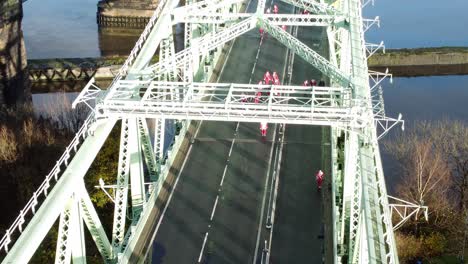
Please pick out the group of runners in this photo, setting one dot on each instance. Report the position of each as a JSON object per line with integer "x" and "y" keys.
{"x": 268, "y": 11}
{"x": 273, "y": 79}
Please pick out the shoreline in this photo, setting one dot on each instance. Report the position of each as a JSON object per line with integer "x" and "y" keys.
{"x": 400, "y": 62}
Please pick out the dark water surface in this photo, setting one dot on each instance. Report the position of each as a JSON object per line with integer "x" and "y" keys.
{"x": 427, "y": 98}
{"x": 422, "y": 98}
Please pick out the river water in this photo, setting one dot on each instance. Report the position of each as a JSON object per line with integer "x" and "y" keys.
{"x": 68, "y": 28}
{"x": 419, "y": 23}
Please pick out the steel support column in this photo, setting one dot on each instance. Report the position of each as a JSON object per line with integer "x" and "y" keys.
{"x": 136, "y": 169}
{"x": 121, "y": 190}
{"x": 70, "y": 240}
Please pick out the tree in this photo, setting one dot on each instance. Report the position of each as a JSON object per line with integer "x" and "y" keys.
{"x": 433, "y": 160}
{"x": 425, "y": 176}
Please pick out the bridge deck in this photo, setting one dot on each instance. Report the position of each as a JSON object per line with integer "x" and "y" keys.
{"x": 230, "y": 169}
{"x": 298, "y": 232}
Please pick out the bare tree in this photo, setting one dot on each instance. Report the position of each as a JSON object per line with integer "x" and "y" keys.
{"x": 426, "y": 175}
{"x": 453, "y": 137}
{"x": 61, "y": 112}
{"x": 8, "y": 145}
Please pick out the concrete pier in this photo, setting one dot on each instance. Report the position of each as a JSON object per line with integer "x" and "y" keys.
{"x": 125, "y": 13}
{"x": 422, "y": 61}
{"x": 14, "y": 81}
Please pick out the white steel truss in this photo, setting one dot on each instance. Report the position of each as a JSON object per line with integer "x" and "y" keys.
{"x": 362, "y": 226}
{"x": 239, "y": 102}
{"x": 315, "y": 7}
{"x": 404, "y": 210}
{"x": 121, "y": 190}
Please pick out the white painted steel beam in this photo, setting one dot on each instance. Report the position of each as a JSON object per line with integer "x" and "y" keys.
{"x": 306, "y": 53}
{"x": 204, "y": 45}
{"x": 179, "y": 14}
{"x": 93, "y": 223}
{"x": 77, "y": 236}
{"x": 314, "y": 6}
{"x": 137, "y": 187}
{"x": 45, "y": 216}
{"x": 121, "y": 190}
{"x": 63, "y": 251}
{"x": 159, "y": 133}
{"x": 147, "y": 150}
{"x": 275, "y": 19}
{"x": 235, "y": 102}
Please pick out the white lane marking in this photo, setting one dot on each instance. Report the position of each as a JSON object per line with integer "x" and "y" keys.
{"x": 264, "y": 198}
{"x": 172, "y": 192}
{"x": 224, "y": 174}
{"x": 232, "y": 145}
{"x": 275, "y": 194}
{"x": 255, "y": 63}
{"x": 203, "y": 247}
{"x": 230, "y": 150}
{"x": 214, "y": 208}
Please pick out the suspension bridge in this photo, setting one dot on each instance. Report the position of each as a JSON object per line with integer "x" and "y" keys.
{"x": 219, "y": 193}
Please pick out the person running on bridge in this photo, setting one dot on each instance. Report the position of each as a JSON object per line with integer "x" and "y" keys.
{"x": 321, "y": 83}
{"x": 275, "y": 9}
{"x": 268, "y": 11}
{"x": 275, "y": 90}
{"x": 262, "y": 32}
{"x": 305, "y": 83}
{"x": 257, "y": 97}
{"x": 319, "y": 179}
{"x": 267, "y": 77}
{"x": 275, "y": 77}
{"x": 283, "y": 27}
{"x": 263, "y": 128}
{"x": 313, "y": 82}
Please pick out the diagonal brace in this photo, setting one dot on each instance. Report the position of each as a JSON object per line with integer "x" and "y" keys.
{"x": 306, "y": 53}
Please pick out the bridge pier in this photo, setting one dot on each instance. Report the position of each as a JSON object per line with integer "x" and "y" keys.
{"x": 121, "y": 23}
{"x": 14, "y": 81}
{"x": 125, "y": 13}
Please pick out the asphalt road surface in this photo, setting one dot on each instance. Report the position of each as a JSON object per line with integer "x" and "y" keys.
{"x": 297, "y": 230}
{"x": 220, "y": 201}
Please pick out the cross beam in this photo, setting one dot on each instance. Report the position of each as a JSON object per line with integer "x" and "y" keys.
{"x": 279, "y": 19}
{"x": 314, "y": 6}
{"x": 238, "y": 102}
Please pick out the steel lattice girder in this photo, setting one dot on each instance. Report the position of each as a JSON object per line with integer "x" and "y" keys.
{"x": 236, "y": 102}
{"x": 199, "y": 47}
{"x": 53, "y": 205}
{"x": 121, "y": 191}
{"x": 202, "y": 6}
{"x": 280, "y": 19}
{"x": 314, "y": 6}
{"x": 378, "y": 233}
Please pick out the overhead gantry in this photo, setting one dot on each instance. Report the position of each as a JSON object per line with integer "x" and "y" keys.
{"x": 176, "y": 87}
